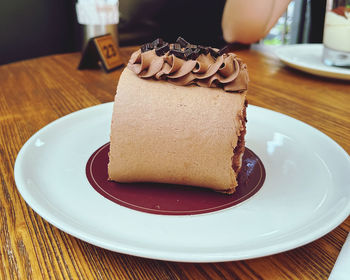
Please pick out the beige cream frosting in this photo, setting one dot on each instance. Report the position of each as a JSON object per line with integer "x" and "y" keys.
{"x": 226, "y": 71}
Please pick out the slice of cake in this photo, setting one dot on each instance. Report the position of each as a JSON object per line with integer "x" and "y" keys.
{"x": 179, "y": 117}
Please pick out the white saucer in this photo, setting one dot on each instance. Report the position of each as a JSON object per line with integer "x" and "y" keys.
{"x": 306, "y": 193}
{"x": 308, "y": 58}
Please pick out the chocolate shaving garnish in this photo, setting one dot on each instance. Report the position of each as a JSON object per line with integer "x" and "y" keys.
{"x": 192, "y": 54}
{"x": 190, "y": 46}
{"x": 183, "y": 43}
{"x": 162, "y": 49}
{"x": 177, "y": 46}
{"x": 188, "y": 53}
{"x": 223, "y": 50}
{"x": 157, "y": 43}
{"x": 203, "y": 49}
{"x": 197, "y": 53}
{"x": 146, "y": 47}
{"x": 213, "y": 52}
{"x": 178, "y": 53}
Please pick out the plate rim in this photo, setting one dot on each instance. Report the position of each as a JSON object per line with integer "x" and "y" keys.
{"x": 165, "y": 255}
{"x": 326, "y": 71}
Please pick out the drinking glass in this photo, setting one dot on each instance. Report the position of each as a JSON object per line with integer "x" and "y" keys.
{"x": 336, "y": 34}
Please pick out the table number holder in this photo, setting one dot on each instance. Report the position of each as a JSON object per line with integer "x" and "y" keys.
{"x": 101, "y": 51}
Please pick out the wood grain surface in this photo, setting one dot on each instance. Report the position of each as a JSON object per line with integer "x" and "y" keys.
{"x": 35, "y": 92}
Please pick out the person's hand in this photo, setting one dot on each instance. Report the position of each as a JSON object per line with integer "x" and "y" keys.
{"x": 248, "y": 21}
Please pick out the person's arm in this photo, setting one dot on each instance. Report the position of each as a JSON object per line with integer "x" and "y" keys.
{"x": 247, "y": 21}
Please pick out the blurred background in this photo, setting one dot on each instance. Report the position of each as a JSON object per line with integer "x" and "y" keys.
{"x": 33, "y": 28}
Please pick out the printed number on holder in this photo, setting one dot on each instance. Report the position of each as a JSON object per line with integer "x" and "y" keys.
{"x": 108, "y": 52}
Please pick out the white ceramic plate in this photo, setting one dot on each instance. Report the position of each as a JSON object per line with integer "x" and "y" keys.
{"x": 308, "y": 58}
{"x": 306, "y": 193}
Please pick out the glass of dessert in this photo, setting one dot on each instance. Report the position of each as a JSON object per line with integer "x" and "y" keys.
{"x": 336, "y": 35}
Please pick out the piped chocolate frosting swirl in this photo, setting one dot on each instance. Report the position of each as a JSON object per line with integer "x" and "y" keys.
{"x": 182, "y": 63}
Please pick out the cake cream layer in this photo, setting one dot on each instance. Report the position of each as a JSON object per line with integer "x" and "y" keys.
{"x": 165, "y": 133}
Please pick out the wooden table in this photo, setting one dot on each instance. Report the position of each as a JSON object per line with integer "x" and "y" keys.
{"x": 35, "y": 92}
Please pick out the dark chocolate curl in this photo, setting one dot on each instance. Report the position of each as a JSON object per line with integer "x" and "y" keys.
{"x": 178, "y": 53}
{"x": 183, "y": 43}
{"x": 157, "y": 43}
{"x": 162, "y": 49}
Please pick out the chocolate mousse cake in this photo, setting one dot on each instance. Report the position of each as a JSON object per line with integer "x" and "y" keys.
{"x": 179, "y": 117}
